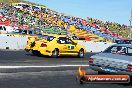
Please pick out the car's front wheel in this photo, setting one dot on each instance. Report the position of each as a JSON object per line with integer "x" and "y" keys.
{"x": 81, "y": 53}
{"x": 55, "y": 53}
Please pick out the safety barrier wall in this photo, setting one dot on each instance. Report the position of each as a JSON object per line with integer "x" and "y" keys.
{"x": 95, "y": 46}
{"x": 19, "y": 42}
{"x": 13, "y": 42}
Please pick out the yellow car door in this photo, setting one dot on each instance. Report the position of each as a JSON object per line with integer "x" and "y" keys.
{"x": 66, "y": 45}
{"x": 61, "y": 44}
{"x": 71, "y": 47}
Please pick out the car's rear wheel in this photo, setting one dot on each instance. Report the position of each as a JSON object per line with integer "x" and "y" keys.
{"x": 27, "y": 50}
{"x": 81, "y": 53}
{"x": 55, "y": 53}
{"x": 35, "y": 52}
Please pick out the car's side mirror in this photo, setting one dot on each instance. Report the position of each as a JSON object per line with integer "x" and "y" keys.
{"x": 58, "y": 41}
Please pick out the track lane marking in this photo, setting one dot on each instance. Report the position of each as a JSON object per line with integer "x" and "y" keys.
{"x": 51, "y": 66}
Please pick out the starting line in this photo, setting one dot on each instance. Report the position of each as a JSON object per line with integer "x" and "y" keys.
{"x": 55, "y": 66}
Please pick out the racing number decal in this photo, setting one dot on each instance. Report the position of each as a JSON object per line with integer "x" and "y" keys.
{"x": 70, "y": 47}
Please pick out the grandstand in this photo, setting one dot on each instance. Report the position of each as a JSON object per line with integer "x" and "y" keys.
{"x": 45, "y": 18}
{"x": 11, "y": 1}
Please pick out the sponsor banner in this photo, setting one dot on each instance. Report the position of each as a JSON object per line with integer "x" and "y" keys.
{"x": 107, "y": 78}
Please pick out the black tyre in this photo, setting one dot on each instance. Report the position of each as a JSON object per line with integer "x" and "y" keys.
{"x": 35, "y": 52}
{"x": 55, "y": 53}
{"x": 27, "y": 50}
{"x": 81, "y": 53}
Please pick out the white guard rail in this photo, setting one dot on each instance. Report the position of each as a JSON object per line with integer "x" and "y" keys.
{"x": 13, "y": 42}
{"x": 95, "y": 46}
{"x": 17, "y": 43}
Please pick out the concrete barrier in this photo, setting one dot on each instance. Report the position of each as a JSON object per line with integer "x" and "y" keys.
{"x": 96, "y": 46}
{"x": 13, "y": 42}
{"x": 19, "y": 42}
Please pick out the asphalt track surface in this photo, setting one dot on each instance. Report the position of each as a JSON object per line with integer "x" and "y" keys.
{"x": 18, "y": 69}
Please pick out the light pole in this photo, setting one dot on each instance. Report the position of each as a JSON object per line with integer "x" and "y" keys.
{"x": 130, "y": 30}
{"x": 130, "y": 25}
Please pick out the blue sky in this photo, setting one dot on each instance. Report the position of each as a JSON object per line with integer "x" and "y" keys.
{"x": 106, "y": 10}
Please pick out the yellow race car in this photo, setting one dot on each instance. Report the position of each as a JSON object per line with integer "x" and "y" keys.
{"x": 58, "y": 45}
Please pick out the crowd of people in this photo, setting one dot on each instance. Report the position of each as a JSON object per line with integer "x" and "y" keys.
{"x": 17, "y": 17}
{"x": 47, "y": 17}
{"x": 107, "y": 25}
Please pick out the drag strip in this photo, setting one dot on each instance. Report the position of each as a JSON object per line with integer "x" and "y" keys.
{"x": 55, "y": 66}
{"x": 15, "y": 69}
{"x": 19, "y": 69}
{"x": 21, "y": 61}
{"x": 22, "y": 58}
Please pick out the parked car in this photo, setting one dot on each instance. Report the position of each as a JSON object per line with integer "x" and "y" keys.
{"x": 116, "y": 59}
{"x": 123, "y": 41}
{"x": 85, "y": 37}
{"x": 78, "y": 38}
